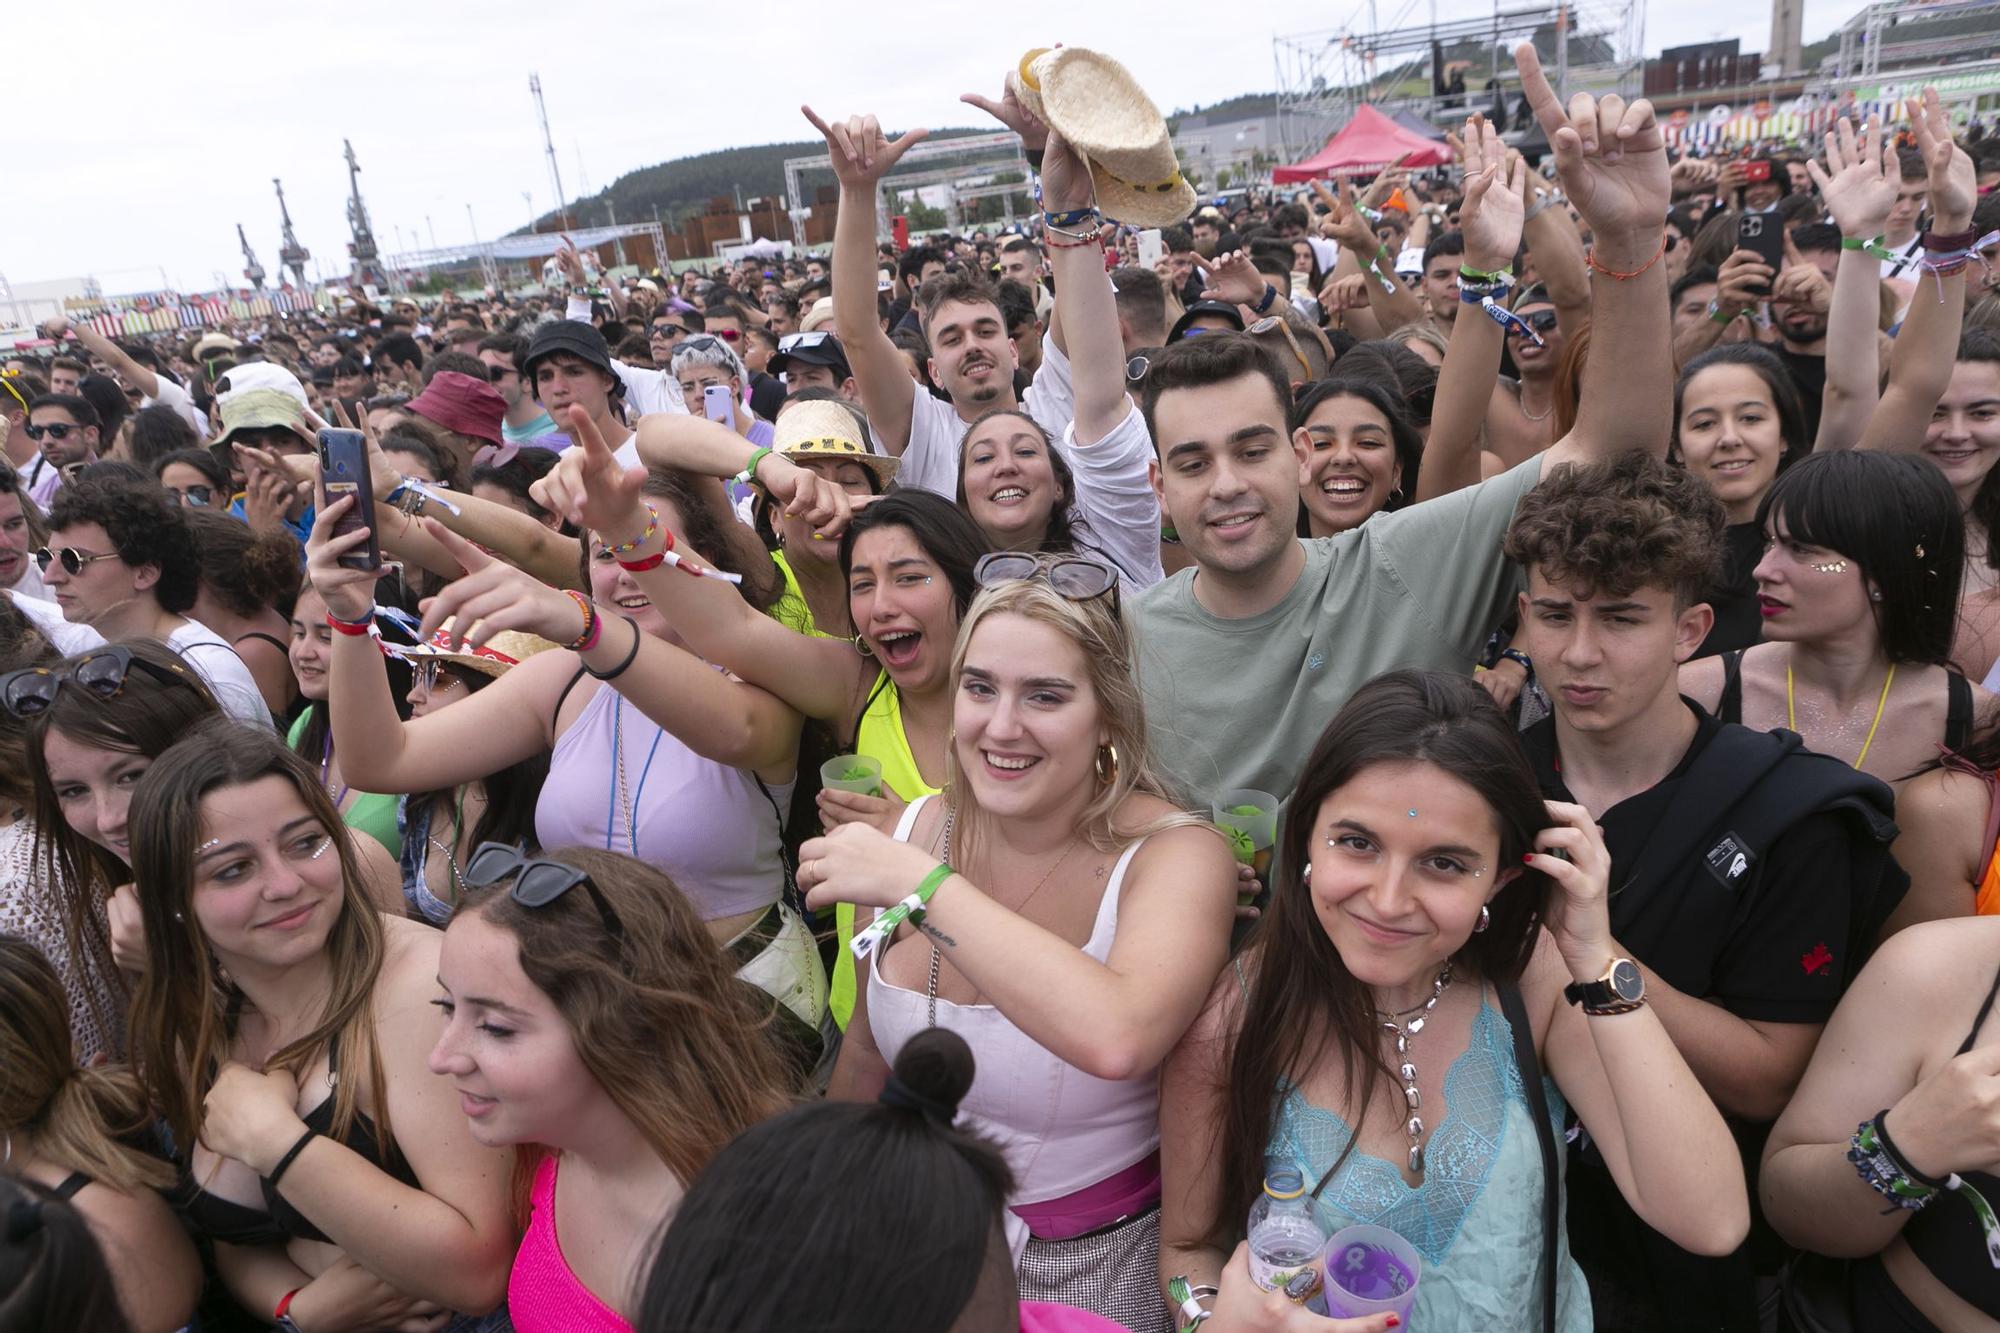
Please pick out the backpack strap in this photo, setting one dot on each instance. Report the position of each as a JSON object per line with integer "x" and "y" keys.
{"x": 1545, "y": 1136}
{"x": 1957, "y": 711}
{"x": 1729, "y": 706}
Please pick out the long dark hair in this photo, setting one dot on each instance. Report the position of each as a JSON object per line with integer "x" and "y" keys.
{"x": 1304, "y": 1006}
{"x": 1898, "y": 518}
{"x": 1764, "y": 362}
{"x": 1403, "y": 436}
{"x": 511, "y": 792}
{"x": 144, "y": 718}
{"x": 52, "y": 1272}
{"x": 946, "y": 533}
{"x": 1061, "y": 534}
{"x": 834, "y": 1192}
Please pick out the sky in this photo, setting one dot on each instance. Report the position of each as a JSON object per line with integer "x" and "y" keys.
{"x": 138, "y": 136}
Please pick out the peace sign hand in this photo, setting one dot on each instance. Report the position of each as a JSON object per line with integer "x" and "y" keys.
{"x": 1612, "y": 160}
{"x": 862, "y": 153}
{"x": 588, "y": 486}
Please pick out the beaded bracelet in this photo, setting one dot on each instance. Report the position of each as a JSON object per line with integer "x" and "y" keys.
{"x": 592, "y": 623}
{"x": 652, "y": 531}
{"x": 1615, "y": 275}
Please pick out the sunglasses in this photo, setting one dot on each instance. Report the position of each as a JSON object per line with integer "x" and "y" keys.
{"x": 1275, "y": 324}
{"x": 434, "y": 676}
{"x": 793, "y": 341}
{"x": 54, "y": 430}
{"x": 192, "y": 497}
{"x": 537, "y": 882}
{"x": 72, "y": 559}
{"x": 101, "y": 674}
{"x": 668, "y": 332}
{"x": 1541, "y": 322}
{"x": 1076, "y": 577}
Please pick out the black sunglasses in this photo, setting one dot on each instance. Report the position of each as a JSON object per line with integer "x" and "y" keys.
{"x": 73, "y": 560}
{"x": 669, "y": 331}
{"x": 193, "y": 497}
{"x": 540, "y": 882}
{"x": 1541, "y": 322}
{"x": 54, "y": 430}
{"x": 102, "y": 674}
{"x": 1076, "y": 577}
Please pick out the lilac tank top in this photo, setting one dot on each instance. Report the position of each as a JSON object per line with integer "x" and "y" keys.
{"x": 543, "y": 1294}
{"x": 706, "y": 824}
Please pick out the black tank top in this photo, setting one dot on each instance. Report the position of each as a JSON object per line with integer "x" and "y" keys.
{"x": 1947, "y": 1237}
{"x": 1957, "y": 705}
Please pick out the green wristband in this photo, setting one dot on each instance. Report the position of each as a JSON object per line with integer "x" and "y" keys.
{"x": 929, "y": 885}
{"x": 1506, "y": 271}
{"x": 749, "y": 472}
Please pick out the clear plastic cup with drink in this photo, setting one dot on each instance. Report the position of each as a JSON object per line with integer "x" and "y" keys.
{"x": 856, "y": 773}
{"x": 1250, "y": 819}
{"x": 1370, "y": 1269}
{"x": 1287, "y": 1241}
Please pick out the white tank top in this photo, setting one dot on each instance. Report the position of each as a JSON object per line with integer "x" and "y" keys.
{"x": 1060, "y": 1128}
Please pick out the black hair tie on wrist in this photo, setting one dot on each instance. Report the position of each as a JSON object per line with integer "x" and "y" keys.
{"x": 898, "y": 1093}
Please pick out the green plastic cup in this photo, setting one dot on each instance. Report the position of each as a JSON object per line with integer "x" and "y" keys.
{"x": 1250, "y": 818}
{"x": 852, "y": 772}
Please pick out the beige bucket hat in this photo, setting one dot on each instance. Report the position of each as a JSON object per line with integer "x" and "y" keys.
{"x": 1095, "y": 103}
{"x": 818, "y": 429}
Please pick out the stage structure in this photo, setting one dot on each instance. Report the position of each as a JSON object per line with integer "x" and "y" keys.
{"x": 531, "y": 248}
{"x": 1408, "y": 63}
{"x": 979, "y": 158}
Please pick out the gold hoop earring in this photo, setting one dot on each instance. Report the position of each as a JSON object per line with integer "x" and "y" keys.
{"x": 1107, "y": 764}
{"x": 861, "y": 646}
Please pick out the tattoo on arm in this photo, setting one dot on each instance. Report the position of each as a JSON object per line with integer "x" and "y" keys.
{"x": 938, "y": 935}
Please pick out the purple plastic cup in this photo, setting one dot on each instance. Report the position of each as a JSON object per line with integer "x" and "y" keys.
{"x": 1370, "y": 1269}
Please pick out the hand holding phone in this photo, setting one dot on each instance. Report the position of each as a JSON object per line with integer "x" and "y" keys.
{"x": 343, "y": 471}
{"x": 719, "y": 404}
{"x": 1763, "y": 234}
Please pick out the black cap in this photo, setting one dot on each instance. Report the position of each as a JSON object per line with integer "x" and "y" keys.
{"x": 577, "y": 338}
{"x": 1220, "y": 309}
{"x": 825, "y": 351}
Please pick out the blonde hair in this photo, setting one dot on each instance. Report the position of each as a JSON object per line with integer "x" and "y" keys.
{"x": 77, "y": 1115}
{"x": 1100, "y": 634}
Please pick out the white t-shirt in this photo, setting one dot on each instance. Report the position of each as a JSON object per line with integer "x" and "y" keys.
{"x": 207, "y": 652}
{"x": 174, "y": 396}
{"x": 646, "y": 390}
{"x": 937, "y": 434}
{"x": 1904, "y": 265}
{"x": 43, "y": 479}
{"x": 1115, "y": 502}
{"x": 30, "y": 583}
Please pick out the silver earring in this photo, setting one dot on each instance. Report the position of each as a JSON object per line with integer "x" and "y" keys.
{"x": 1875, "y": 594}
{"x": 1485, "y": 919}
{"x": 1306, "y": 875}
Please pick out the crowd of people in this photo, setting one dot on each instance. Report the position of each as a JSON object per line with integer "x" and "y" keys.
{"x": 1589, "y": 562}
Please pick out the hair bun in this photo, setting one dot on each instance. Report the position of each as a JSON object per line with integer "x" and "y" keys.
{"x": 933, "y": 1072}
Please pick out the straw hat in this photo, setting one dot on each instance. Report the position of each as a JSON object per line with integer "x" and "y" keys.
{"x": 506, "y": 649}
{"x": 820, "y": 429}
{"x": 1100, "y": 109}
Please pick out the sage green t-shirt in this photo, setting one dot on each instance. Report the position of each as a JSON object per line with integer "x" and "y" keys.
{"x": 1240, "y": 703}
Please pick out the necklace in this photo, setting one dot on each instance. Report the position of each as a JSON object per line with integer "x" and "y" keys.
{"x": 326, "y": 764}
{"x": 1792, "y": 720}
{"x": 451, "y": 851}
{"x": 1522, "y": 403}
{"x": 618, "y": 794}
{"x": 1406, "y": 1037}
{"x": 931, "y": 986}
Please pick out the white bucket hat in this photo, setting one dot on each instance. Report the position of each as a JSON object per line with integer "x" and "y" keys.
{"x": 1100, "y": 109}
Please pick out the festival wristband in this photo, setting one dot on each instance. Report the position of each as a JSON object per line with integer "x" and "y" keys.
{"x": 1503, "y": 274}
{"x": 746, "y": 476}
{"x": 1871, "y": 246}
{"x": 1263, "y": 307}
{"x": 354, "y": 629}
{"x": 1188, "y": 1301}
{"x": 885, "y": 925}
{"x": 1076, "y": 217}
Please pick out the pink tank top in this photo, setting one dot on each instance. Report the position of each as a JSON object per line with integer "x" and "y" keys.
{"x": 543, "y": 1295}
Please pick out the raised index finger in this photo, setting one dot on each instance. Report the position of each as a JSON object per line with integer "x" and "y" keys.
{"x": 1535, "y": 87}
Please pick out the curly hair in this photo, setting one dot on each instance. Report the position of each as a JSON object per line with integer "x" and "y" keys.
{"x": 248, "y": 570}
{"x": 1621, "y": 524}
{"x": 145, "y": 527}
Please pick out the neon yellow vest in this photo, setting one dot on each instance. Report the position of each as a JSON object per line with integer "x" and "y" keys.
{"x": 880, "y": 737}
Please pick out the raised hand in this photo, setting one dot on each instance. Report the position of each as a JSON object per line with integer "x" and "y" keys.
{"x": 1693, "y": 174}
{"x": 590, "y": 487}
{"x": 1579, "y": 916}
{"x": 1009, "y": 112}
{"x": 1495, "y": 203}
{"x": 1232, "y": 277}
{"x": 348, "y": 593}
{"x": 1346, "y": 224}
{"x": 571, "y": 263}
{"x": 807, "y": 495}
{"x": 1743, "y": 281}
{"x": 1859, "y": 181}
{"x": 862, "y": 153}
{"x": 1065, "y": 177}
{"x": 1954, "y": 183}
{"x": 1612, "y": 161}
{"x": 493, "y": 596}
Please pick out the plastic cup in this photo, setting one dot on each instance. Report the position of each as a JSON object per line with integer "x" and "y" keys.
{"x": 1370, "y": 1269}
{"x": 852, "y": 772}
{"x": 1253, "y": 815}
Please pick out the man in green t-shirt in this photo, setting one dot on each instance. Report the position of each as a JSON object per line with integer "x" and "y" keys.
{"x": 1246, "y": 656}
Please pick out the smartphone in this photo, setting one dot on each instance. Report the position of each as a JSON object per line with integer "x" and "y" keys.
{"x": 718, "y": 404}
{"x": 1764, "y": 234}
{"x": 1757, "y": 170}
{"x": 343, "y": 470}
{"x": 1151, "y": 248}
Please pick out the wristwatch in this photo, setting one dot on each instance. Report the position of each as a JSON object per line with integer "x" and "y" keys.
{"x": 1620, "y": 990}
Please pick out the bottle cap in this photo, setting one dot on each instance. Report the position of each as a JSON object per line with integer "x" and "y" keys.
{"x": 1284, "y": 1182}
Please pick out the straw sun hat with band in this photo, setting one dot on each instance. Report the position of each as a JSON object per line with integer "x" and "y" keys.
{"x": 1102, "y": 112}
{"x": 821, "y": 430}
{"x": 507, "y": 649}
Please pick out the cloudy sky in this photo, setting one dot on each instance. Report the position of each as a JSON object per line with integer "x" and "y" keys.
{"x": 139, "y": 135}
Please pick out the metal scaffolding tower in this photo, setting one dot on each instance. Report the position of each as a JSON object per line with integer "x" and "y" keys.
{"x": 555, "y": 172}
{"x": 367, "y": 267}
{"x": 252, "y": 270}
{"x": 1324, "y": 76}
{"x": 291, "y": 255}
{"x": 983, "y": 154}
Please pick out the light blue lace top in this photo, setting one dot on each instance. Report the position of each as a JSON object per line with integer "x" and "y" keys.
{"x": 1477, "y": 1219}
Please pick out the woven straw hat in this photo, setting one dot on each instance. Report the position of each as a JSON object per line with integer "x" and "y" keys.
{"x": 506, "y": 649}
{"x": 818, "y": 429}
{"x": 1095, "y": 103}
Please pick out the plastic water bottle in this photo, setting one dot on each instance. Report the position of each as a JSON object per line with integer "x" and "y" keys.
{"x": 1287, "y": 1243}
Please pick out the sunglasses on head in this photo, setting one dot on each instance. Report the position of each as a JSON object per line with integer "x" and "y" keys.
{"x": 1076, "y": 577}
{"x": 72, "y": 559}
{"x": 101, "y": 674}
{"x": 793, "y": 341}
{"x": 537, "y": 882}
{"x": 53, "y": 430}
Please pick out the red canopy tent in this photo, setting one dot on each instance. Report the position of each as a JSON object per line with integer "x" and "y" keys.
{"x": 1365, "y": 145}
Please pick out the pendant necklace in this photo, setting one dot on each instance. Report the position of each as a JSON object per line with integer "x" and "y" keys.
{"x": 1406, "y": 1035}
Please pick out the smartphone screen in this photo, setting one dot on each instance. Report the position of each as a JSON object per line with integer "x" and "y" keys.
{"x": 343, "y": 470}
{"x": 718, "y": 404}
{"x": 1151, "y": 247}
{"x": 1764, "y": 234}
